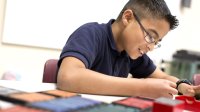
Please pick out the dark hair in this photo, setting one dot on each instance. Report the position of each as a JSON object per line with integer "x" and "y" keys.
{"x": 157, "y": 9}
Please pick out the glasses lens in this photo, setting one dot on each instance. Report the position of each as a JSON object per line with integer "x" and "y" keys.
{"x": 149, "y": 39}
{"x": 157, "y": 45}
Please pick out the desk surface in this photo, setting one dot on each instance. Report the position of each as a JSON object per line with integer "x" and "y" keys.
{"x": 27, "y": 86}
{"x": 38, "y": 87}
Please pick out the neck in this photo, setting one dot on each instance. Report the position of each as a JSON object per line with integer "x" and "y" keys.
{"x": 117, "y": 35}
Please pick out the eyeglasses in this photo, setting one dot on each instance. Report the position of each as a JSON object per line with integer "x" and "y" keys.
{"x": 148, "y": 38}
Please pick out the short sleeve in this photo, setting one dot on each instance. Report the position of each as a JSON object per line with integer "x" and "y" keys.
{"x": 82, "y": 44}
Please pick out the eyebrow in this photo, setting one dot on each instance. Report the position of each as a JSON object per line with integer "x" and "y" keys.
{"x": 152, "y": 30}
{"x": 155, "y": 32}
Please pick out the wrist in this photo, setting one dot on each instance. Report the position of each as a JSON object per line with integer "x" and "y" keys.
{"x": 181, "y": 83}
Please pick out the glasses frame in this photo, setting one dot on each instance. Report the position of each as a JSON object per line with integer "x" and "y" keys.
{"x": 148, "y": 38}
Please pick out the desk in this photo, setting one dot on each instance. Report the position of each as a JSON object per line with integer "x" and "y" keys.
{"x": 38, "y": 87}
{"x": 27, "y": 86}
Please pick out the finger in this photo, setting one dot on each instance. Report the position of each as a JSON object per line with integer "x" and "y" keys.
{"x": 197, "y": 89}
{"x": 173, "y": 91}
{"x": 168, "y": 95}
{"x": 190, "y": 92}
{"x": 172, "y": 84}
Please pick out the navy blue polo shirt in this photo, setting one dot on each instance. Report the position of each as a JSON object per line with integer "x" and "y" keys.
{"x": 94, "y": 45}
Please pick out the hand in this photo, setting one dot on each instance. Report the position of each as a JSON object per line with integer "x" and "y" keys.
{"x": 156, "y": 88}
{"x": 189, "y": 90}
{"x": 197, "y": 89}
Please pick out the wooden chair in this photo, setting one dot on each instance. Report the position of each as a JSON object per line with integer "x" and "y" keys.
{"x": 50, "y": 71}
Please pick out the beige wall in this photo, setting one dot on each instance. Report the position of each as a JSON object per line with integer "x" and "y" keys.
{"x": 189, "y": 37}
{"x": 29, "y": 61}
{"x": 23, "y": 60}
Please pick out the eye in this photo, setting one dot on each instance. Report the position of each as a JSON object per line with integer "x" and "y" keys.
{"x": 152, "y": 39}
{"x": 154, "y": 35}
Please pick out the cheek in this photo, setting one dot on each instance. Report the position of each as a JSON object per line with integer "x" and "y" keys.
{"x": 131, "y": 39}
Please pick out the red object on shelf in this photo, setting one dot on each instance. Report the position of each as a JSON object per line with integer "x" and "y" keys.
{"x": 191, "y": 104}
{"x": 168, "y": 105}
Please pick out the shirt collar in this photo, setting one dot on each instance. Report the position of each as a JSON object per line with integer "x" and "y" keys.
{"x": 110, "y": 33}
{"x": 111, "y": 38}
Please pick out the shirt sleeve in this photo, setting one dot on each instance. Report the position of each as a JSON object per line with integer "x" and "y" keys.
{"x": 82, "y": 44}
{"x": 142, "y": 67}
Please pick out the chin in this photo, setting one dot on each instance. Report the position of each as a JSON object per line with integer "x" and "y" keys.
{"x": 134, "y": 57}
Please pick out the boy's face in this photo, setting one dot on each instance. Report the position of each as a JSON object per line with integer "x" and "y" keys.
{"x": 141, "y": 36}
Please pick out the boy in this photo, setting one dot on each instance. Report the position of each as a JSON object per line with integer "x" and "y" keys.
{"x": 97, "y": 58}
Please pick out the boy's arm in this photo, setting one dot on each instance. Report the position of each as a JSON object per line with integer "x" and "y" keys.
{"x": 184, "y": 88}
{"x": 74, "y": 77}
{"x": 162, "y": 75}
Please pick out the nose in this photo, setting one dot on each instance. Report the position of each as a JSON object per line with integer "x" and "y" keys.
{"x": 150, "y": 47}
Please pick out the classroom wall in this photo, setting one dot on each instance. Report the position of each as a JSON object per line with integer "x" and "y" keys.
{"x": 29, "y": 61}
{"x": 189, "y": 37}
{"x": 25, "y": 61}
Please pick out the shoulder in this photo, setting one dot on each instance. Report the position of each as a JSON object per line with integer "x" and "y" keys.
{"x": 92, "y": 31}
{"x": 92, "y": 26}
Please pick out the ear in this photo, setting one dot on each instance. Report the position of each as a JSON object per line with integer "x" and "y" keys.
{"x": 127, "y": 16}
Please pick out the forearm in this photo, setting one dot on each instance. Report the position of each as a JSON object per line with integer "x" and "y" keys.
{"x": 74, "y": 77}
{"x": 171, "y": 78}
{"x": 162, "y": 75}
{"x": 87, "y": 81}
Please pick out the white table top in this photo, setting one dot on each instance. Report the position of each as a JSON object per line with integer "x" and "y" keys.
{"x": 27, "y": 86}
{"x": 37, "y": 87}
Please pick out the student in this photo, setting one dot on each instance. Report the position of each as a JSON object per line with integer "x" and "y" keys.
{"x": 97, "y": 58}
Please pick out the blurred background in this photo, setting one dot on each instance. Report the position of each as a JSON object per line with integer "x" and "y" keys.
{"x": 33, "y": 31}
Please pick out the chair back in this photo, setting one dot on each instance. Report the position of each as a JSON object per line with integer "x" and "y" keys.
{"x": 50, "y": 71}
{"x": 196, "y": 79}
